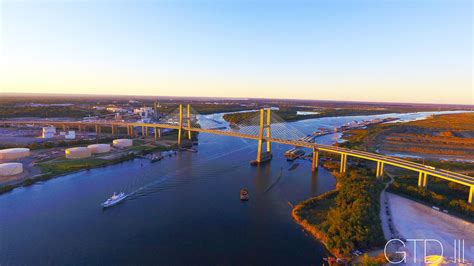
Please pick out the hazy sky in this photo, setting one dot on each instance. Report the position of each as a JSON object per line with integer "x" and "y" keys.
{"x": 380, "y": 50}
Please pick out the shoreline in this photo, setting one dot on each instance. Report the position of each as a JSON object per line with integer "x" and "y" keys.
{"x": 45, "y": 176}
{"x": 48, "y": 176}
{"x": 312, "y": 230}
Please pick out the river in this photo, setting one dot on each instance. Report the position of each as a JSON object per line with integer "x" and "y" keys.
{"x": 182, "y": 210}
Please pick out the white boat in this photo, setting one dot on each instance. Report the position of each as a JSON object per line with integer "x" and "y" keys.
{"x": 114, "y": 200}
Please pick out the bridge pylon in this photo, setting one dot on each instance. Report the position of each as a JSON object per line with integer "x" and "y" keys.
{"x": 180, "y": 126}
{"x": 264, "y": 128}
{"x": 268, "y": 131}
{"x": 315, "y": 160}
{"x": 188, "y": 120}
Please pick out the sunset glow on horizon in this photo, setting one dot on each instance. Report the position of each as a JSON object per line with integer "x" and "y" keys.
{"x": 393, "y": 51}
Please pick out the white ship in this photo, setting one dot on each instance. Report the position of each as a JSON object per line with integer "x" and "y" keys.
{"x": 114, "y": 200}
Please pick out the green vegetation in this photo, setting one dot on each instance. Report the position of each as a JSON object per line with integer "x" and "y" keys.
{"x": 440, "y": 193}
{"x": 63, "y": 166}
{"x": 48, "y": 111}
{"x": 348, "y": 218}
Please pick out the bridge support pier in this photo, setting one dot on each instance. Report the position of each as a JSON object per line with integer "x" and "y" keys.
{"x": 131, "y": 131}
{"x": 113, "y": 129}
{"x": 343, "y": 166}
{"x": 314, "y": 162}
{"x": 471, "y": 195}
{"x": 422, "y": 179}
{"x": 157, "y": 133}
{"x": 380, "y": 169}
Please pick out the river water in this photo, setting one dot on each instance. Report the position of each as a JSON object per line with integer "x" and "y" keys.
{"x": 182, "y": 210}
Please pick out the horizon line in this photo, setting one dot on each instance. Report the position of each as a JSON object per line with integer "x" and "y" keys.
{"x": 227, "y": 98}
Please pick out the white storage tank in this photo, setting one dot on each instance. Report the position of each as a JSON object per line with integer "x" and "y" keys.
{"x": 122, "y": 143}
{"x": 78, "y": 153}
{"x": 99, "y": 148}
{"x": 8, "y": 169}
{"x": 14, "y": 153}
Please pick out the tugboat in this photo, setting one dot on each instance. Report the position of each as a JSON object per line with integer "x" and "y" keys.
{"x": 115, "y": 199}
{"x": 244, "y": 194}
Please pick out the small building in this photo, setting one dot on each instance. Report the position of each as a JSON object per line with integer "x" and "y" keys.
{"x": 145, "y": 112}
{"x": 71, "y": 134}
{"x": 48, "y": 132}
{"x": 117, "y": 109}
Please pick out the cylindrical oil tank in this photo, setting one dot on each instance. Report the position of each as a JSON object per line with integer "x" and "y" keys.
{"x": 8, "y": 169}
{"x": 122, "y": 143}
{"x": 78, "y": 153}
{"x": 99, "y": 148}
{"x": 14, "y": 153}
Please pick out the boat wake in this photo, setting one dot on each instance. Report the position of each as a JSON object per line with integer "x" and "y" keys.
{"x": 276, "y": 181}
{"x": 165, "y": 183}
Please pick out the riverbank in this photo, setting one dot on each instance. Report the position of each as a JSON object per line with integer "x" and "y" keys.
{"x": 61, "y": 166}
{"x": 345, "y": 219}
{"x": 311, "y": 213}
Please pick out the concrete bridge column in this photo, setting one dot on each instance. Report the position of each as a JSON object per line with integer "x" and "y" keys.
{"x": 146, "y": 131}
{"x": 343, "y": 166}
{"x": 113, "y": 129}
{"x": 131, "y": 131}
{"x": 422, "y": 179}
{"x": 143, "y": 131}
{"x": 380, "y": 169}
{"x": 155, "y": 129}
{"x": 471, "y": 195}
{"x": 314, "y": 164}
{"x": 64, "y": 127}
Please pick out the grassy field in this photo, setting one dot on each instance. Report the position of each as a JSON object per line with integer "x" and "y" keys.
{"x": 443, "y": 136}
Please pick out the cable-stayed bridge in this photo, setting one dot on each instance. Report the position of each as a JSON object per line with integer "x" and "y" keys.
{"x": 262, "y": 126}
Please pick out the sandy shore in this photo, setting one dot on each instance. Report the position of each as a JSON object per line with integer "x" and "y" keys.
{"x": 416, "y": 221}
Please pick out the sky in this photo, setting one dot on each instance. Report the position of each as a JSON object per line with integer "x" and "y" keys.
{"x": 378, "y": 50}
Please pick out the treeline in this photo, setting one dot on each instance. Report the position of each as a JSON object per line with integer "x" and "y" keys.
{"x": 48, "y": 111}
{"x": 440, "y": 193}
{"x": 351, "y": 219}
{"x": 354, "y": 222}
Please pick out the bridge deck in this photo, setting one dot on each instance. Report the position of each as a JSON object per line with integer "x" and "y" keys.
{"x": 444, "y": 174}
